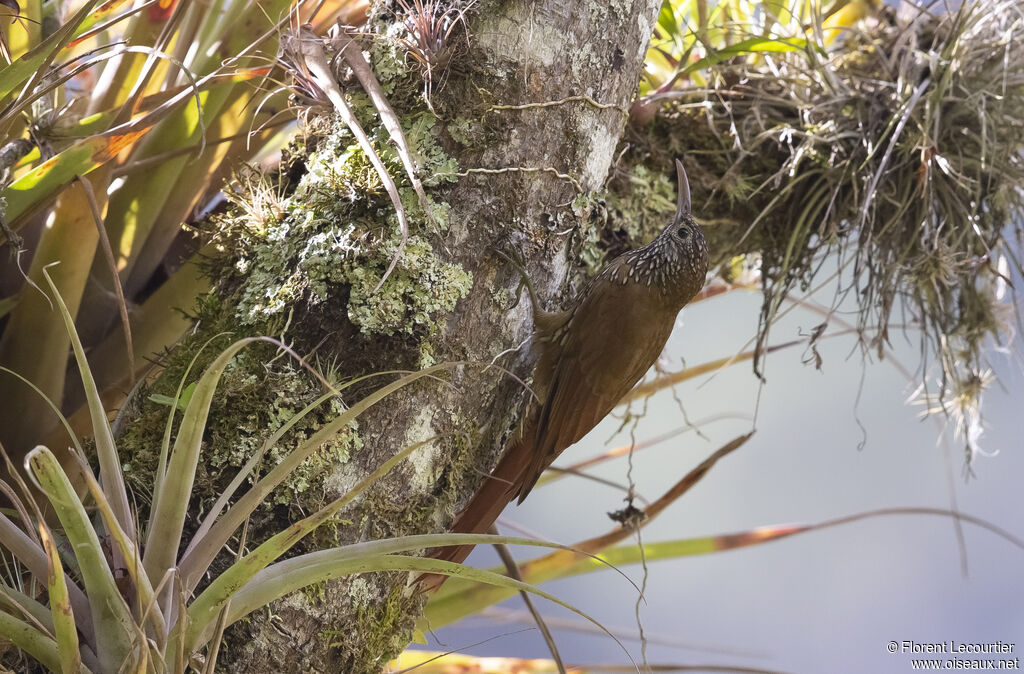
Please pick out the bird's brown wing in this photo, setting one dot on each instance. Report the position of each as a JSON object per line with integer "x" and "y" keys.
{"x": 503, "y": 483}
{"x": 588, "y": 360}
{"x": 615, "y": 337}
{"x": 484, "y": 508}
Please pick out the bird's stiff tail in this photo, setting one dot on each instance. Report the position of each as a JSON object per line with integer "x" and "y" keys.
{"x": 500, "y": 487}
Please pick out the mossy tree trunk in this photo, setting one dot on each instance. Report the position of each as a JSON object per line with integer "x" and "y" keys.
{"x": 581, "y": 60}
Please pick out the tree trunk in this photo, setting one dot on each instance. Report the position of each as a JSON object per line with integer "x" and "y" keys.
{"x": 582, "y": 61}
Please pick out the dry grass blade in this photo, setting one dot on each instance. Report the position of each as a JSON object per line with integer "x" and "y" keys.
{"x": 649, "y": 388}
{"x": 594, "y": 546}
{"x": 307, "y": 47}
{"x": 456, "y": 600}
{"x": 640, "y": 445}
{"x": 353, "y": 56}
{"x": 668, "y": 498}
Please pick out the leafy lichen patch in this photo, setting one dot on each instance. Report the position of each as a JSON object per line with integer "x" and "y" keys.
{"x": 420, "y": 287}
{"x": 327, "y": 238}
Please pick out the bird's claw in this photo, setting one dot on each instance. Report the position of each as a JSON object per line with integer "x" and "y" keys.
{"x": 514, "y": 258}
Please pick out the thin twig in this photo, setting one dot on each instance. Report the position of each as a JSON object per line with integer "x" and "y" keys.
{"x": 521, "y": 169}
{"x": 115, "y": 278}
{"x": 513, "y": 572}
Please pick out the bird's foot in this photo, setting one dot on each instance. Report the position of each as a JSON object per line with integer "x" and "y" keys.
{"x": 511, "y": 255}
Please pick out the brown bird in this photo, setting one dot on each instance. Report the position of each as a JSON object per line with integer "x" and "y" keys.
{"x": 590, "y": 356}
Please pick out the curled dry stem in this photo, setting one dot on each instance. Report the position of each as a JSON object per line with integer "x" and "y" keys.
{"x": 310, "y": 53}
{"x": 353, "y": 56}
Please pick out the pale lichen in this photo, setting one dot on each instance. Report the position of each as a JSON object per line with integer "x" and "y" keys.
{"x": 420, "y": 287}
{"x": 465, "y": 130}
{"x": 327, "y": 238}
{"x": 425, "y": 460}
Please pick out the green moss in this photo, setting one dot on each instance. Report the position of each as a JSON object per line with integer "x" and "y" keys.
{"x": 316, "y": 240}
{"x": 245, "y": 415}
{"x": 641, "y": 210}
{"x": 302, "y": 250}
{"x": 259, "y": 392}
{"x": 387, "y": 622}
{"x": 637, "y": 214}
{"x": 426, "y": 358}
{"x": 391, "y": 623}
{"x": 315, "y": 593}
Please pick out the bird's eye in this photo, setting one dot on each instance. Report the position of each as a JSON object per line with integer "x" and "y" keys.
{"x": 683, "y": 233}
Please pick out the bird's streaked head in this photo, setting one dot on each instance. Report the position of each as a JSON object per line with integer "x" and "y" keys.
{"x": 689, "y": 251}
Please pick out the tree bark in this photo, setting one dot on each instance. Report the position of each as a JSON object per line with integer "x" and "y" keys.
{"x": 527, "y": 175}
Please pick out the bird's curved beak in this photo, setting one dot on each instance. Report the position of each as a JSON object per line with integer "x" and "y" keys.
{"x": 682, "y": 192}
